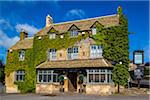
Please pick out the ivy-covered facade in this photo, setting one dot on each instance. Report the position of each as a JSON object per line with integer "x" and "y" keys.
{"x": 73, "y": 56}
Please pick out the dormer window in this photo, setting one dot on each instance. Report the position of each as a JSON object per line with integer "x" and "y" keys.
{"x": 73, "y": 33}
{"x": 21, "y": 55}
{"x": 94, "y": 31}
{"x": 52, "y": 36}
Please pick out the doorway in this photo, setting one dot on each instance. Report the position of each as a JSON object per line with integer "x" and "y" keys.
{"x": 72, "y": 81}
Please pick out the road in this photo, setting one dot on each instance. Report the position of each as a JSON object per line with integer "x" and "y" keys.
{"x": 68, "y": 97}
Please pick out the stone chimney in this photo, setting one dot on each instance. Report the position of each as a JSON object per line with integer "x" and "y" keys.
{"x": 23, "y": 34}
{"x": 49, "y": 20}
{"x": 119, "y": 10}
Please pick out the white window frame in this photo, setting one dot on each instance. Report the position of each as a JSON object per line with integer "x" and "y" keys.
{"x": 52, "y": 35}
{"x": 94, "y": 31}
{"x": 96, "y": 51}
{"x": 22, "y": 55}
{"x": 48, "y": 75}
{"x": 52, "y": 54}
{"x": 93, "y": 72}
{"x": 20, "y": 75}
{"x": 74, "y": 33}
{"x": 73, "y": 53}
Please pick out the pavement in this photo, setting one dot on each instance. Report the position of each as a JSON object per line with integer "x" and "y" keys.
{"x": 69, "y": 97}
{"x": 1, "y": 87}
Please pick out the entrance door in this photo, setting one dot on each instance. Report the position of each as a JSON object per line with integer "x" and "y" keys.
{"x": 72, "y": 79}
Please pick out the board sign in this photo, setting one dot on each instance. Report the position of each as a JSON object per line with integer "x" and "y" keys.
{"x": 138, "y": 57}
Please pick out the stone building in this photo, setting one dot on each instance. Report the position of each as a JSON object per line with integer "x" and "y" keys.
{"x": 81, "y": 61}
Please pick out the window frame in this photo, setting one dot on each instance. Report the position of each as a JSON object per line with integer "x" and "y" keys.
{"x": 74, "y": 33}
{"x": 20, "y": 75}
{"x": 22, "y": 55}
{"x": 96, "y": 51}
{"x": 91, "y": 74}
{"x": 52, "y": 54}
{"x": 94, "y": 30}
{"x": 52, "y": 35}
{"x": 48, "y": 74}
{"x": 72, "y": 53}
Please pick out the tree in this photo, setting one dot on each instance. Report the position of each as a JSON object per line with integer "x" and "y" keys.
{"x": 2, "y": 76}
{"x": 120, "y": 75}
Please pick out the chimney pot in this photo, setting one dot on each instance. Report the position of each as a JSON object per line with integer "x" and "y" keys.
{"x": 49, "y": 20}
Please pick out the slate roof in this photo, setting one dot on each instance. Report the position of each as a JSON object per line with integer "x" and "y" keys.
{"x": 79, "y": 63}
{"x": 85, "y": 24}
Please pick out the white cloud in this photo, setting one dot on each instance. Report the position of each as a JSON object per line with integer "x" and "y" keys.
{"x": 6, "y": 41}
{"x": 4, "y": 24}
{"x": 75, "y": 14}
{"x": 31, "y": 30}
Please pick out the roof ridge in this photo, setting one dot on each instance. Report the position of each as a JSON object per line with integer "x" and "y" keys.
{"x": 84, "y": 19}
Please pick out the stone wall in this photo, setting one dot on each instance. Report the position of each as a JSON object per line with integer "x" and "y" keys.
{"x": 83, "y": 47}
{"x": 100, "y": 89}
{"x": 48, "y": 88}
{"x": 10, "y": 86}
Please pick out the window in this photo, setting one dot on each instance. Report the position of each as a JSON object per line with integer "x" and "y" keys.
{"x": 52, "y": 54}
{"x": 47, "y": 76}
{"x": 52, "y": 36}
{"x": 96, "y": 51}
{"x": 21, "y": 55}
{"x": 93, "y": 31}
{"x": 99, "y": 76}
{"x": 72, "y": 53}
{"x": 20, "y": 75}
{"x": 73, "y": 33}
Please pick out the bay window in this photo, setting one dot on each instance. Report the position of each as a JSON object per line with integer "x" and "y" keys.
{"x": 95, "y": 76}
{"x": 47, "y": 76}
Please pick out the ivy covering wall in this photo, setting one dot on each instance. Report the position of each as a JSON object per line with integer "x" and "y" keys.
{"x": 113, "y": 39}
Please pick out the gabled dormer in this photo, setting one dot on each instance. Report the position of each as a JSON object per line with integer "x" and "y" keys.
{"x": 52, "y": 33}
{"x": 74, "y": 31}
{"x": 96, "y": 25}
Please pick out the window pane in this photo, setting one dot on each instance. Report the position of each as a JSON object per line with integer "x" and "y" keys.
{"x": 96, "y": 70}
{"x": 54, "y": 78}
{"x": 102, "y": 70}
{"x": 20, "y": 75}
{"x": 73, "y": 33}
{"x": 96, "y": 77}
{"x": 102, "y": 77}
{"x": 49, "y": 78}
{"x": 94, "y": 31}
{"x": 44, "y": 78}
{"x": 90, "y": 77}
{"x": 40, "y": 78}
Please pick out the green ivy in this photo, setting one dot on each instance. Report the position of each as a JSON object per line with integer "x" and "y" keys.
{"x": 13, "y": 64}
{"x": 113, "y": 39}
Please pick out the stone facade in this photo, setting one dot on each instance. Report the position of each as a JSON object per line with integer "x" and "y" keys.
{"x": 10, "y": 86}
{"x": 47, "y": 88}
{"x": 101, "y": 89}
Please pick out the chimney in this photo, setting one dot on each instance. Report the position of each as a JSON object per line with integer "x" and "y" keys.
{"x": 49, "y": 20}
{"x": 119, "y": 10}
{"x": 23, "y": 34}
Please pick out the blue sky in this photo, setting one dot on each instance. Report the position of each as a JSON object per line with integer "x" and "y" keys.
{"x": 15, "y": 15}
